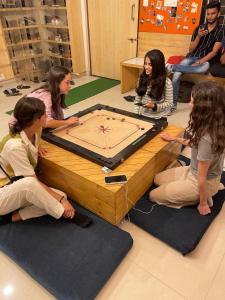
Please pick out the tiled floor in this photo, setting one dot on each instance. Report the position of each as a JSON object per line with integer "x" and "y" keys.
{"x": 151, "y": 270}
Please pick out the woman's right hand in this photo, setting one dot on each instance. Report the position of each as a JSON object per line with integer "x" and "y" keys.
{"x": 204, "y": 209}
{"x": 72, "y": 120}
{"x": 167, "y": 137}
{"x": 69, "y": 211}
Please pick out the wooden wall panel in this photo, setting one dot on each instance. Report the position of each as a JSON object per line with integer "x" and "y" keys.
{"x": 169, "y": 44}
{"x": 5, "y": 66}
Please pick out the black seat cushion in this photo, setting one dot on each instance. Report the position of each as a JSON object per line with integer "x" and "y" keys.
{"x": 182, "y": 228}
{"x": 71, "y": 262}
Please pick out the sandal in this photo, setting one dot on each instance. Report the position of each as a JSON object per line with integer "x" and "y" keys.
{"x": 12, "y": 92}
{"x": 129, "y": 98}
{"x": 21, "y": 86}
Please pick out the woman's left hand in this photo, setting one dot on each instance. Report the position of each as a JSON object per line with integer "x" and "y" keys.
{"x": 149, "y": 104}
{"x": 204, "y": 209}
{"x": 167, "y": 137}
{"x": 42, "y": 151}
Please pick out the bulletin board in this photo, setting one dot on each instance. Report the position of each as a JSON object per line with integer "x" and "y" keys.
{"x": 169, "y": 16}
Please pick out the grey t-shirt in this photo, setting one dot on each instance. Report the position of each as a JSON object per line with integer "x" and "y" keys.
{"x": 203, "y": 153}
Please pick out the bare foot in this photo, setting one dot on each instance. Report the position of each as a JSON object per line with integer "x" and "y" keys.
{"x": 16, "y": 217}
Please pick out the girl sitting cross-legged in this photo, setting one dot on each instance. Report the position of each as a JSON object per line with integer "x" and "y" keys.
{"x": 197, "y": 183}
{"x": 154, "y": 91}
{"x": 27, "y": 197}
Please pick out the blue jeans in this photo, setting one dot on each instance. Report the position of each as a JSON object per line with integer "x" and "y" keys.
{"x": 183, "y": 68}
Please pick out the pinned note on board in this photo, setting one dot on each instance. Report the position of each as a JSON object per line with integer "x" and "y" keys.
{"x": 145, "y": 3}
{"x": 170, "y": 3}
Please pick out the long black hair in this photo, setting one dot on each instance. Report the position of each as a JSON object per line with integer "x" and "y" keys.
{"x": 157, "y": 79}
{"x": 26, "y": 111}
{"x": 208, "y": 115}
{"x": 55, "y": 76}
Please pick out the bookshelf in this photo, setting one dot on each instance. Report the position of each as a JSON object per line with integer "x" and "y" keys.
{"x": 40, "y": 34}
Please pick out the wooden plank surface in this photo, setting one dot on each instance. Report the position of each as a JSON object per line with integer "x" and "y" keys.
{"x": 169, "y": 44}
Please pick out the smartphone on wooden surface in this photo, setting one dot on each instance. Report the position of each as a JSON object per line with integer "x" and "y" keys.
{"x": 115, "y": 179}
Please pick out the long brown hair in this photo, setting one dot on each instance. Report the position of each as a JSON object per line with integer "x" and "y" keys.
{"x": 208, "y": 115}
{"x": 55, "y": 76}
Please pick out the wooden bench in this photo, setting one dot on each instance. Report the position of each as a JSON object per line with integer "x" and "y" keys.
{"x": 130, "y": 70}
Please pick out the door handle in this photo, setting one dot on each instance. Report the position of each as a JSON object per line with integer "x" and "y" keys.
{"x": 132, "y": 40}
{"x": 132, "y": 12}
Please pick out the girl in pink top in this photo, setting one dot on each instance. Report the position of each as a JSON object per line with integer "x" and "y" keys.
{"x": 53, "y": 95}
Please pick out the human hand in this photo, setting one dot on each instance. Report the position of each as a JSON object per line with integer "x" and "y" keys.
{"x": 72, "y": 120}
{"x": 69, "y": 211}
{"x": 202, "y": 32}
{"x": 42, "y": 151}
{"x": 149, "y": 104}
{"x": 167, "y": 137}
{"x": 204, "y": 209}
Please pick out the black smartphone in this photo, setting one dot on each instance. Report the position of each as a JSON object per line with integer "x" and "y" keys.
{"x": 81, "y": 220}
{"x": 139, "y": 104}
{"x": 115, "y": 179}
{"x": 202, "y": 27}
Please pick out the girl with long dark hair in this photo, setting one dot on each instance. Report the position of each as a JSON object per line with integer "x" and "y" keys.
{"x": 197, "y": 183}
{"x": 154, "y": 91}
{"x": 53, "y": 95}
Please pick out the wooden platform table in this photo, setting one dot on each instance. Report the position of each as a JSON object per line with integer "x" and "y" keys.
{"x": 83, "y": 180}
{"x": 130, "y": 70}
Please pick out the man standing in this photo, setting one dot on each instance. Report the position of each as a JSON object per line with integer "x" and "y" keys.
{"x": 205, "y": 44}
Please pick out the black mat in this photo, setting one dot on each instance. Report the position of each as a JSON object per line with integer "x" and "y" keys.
{"x": 182, "y": 228}
{"x": 70, "y": 262}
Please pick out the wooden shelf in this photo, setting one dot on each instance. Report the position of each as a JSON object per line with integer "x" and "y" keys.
{"x": 30, "y": 71}
{"x": 17, "y": 9}
{"x": 5, "y": 65}
{"x": 54, "y": 42}
{"x": 59, "y": 56}
{"x": 24, "y": 43}
{"x": 21, "y": 27}
{"x": 54, "y": 26}
{"x": 48, "y": 7}
{"x": 26, "y": 57}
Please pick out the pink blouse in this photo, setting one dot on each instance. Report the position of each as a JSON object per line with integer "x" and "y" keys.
{"x": 45, "y": 96}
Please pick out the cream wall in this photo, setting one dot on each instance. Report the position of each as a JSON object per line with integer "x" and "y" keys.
{"x": 85, "y": 34}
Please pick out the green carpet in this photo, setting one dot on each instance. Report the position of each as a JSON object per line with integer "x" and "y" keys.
{"x": 87, "y": 90}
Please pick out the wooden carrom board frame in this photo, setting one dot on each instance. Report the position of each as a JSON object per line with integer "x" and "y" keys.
{"x": 109, "y": 162}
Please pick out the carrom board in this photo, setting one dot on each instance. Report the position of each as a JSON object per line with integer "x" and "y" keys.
{"x": 105, "y": 135}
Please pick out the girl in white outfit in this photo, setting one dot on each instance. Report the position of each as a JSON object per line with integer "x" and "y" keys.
{"x": 27, "y": 197}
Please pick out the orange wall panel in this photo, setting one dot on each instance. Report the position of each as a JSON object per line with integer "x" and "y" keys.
{"x": 154, "y": 16}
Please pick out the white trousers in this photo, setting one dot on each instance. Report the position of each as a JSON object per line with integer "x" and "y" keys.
{"x": 31, "y": 199}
